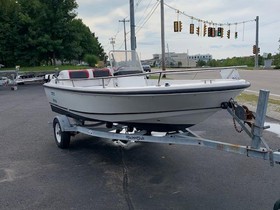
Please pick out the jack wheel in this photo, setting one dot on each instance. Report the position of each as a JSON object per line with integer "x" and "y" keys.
{"x": 224, "y": 105}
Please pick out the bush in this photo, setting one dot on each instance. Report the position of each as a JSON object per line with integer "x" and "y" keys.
{"x": 91, "y": 59}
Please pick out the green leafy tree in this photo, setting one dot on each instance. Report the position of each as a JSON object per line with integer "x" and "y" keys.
{"x": 42, "y": 31}
{"x": 212, "y": 63}
{"x": 56, "y": 19}
{"x": 200, "y": 63}
{"x": 8, "y": 31}
{"x": 276, "y": 58}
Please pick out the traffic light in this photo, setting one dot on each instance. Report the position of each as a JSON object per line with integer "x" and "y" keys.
{"x": 176, "y": 26}
{"x": 213, "y": 32}
{"x": 209, "y": 31}
{"x": 180, "y": 26}
{"x": 254, "y": 49}
{"x": 235, "y": 35}
{"x": 219, "y": 31}
{"x": 197, "y": 31}
{"x": 204, "y": 29}
{"x": 191, "y": 28}
{"x": 222, "y": 32}
{"x": 228, "y": 34}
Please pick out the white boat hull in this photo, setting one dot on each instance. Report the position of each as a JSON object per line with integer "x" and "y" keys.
{"x": 122, "y": 94}
{"x": 145, "y": 109}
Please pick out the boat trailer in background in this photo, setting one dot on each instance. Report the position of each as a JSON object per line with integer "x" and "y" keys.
{"x": 8, "y": 79}
{"x": 258, "y": 148}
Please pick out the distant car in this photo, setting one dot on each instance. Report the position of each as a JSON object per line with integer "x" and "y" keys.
{"x": 147, "y": 68}
{"x": 1, "y": 66}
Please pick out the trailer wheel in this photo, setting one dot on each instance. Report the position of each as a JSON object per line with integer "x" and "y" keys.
{"x": 62, "y": 138}
{"x": 277, "y": 205}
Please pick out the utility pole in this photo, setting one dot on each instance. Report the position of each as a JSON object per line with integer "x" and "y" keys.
{"x": 162, "y": 37}
{"x": 112, "y": 41}
{"x": 124, "y": 21}
{"x": 132, "y": 26}
{"x": 168, "y": 58}
{"x": 257, "y": 44}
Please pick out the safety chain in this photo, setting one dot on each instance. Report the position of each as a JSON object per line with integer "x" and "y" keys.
{"x": 249, "y": 116}
{"x": 234, "y": 123}
{"x": 232, "y": 103}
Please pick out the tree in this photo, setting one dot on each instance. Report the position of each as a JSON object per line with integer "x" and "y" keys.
{"x": 56, "y": 19}
{"x": 8, "y": 31}
{"x": 279, "y": 45}
{"x": 200, "y": 63}
{"x": 212, "y": 63}
{"x": 42, "y": 31}
{"x": 180, "y": 64}
{"x": 91, "y": 59}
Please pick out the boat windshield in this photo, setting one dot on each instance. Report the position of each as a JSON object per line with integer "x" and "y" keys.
{"x": 125, "y": 62}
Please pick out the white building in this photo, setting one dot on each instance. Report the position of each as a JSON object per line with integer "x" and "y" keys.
{"x": 173, "y": 59}
{"x": 205, "y": 57}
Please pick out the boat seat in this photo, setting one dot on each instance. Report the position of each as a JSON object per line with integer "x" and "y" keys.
{"x": 127, "y": 72}
{"x": 84, "y": 77}
{"x": 101, "y": 72}
{"x": 78, "y": 74}
{"x": 74, "y": 74}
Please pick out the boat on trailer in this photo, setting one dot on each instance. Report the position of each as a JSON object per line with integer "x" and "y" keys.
{"x": 123, "y": 94}
{"x": 132, "y": 107}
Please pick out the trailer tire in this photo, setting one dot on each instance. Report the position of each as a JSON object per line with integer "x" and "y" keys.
{"x": 62, "y": 138}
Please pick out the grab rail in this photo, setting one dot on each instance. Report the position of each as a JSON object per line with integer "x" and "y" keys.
{"x": 159, "y": 73}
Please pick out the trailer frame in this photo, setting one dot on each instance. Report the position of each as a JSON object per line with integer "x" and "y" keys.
{"x": 64, "y": 129}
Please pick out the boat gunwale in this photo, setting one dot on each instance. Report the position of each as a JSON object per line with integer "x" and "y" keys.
{"x": 156, "y": 91}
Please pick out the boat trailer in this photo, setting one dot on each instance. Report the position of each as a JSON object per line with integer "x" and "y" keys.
{"x": 64, "y": 129}
{"x": 11, "y": 76}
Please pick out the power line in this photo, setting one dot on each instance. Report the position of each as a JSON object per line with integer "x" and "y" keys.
{"x": 205, "y": 21}
{"x": 145, "y": 20}
{"x": 144, "y": 13}
{"x": 148, "y": 17}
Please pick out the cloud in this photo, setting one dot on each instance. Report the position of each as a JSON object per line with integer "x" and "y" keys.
{"x": 103, "y": 18}
{"x": 216, "y": 46}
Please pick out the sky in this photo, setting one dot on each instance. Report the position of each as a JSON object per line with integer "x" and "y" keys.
{"x": 102, "y": 17}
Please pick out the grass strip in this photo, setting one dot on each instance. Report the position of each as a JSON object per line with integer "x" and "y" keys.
{"x": 254, "y": 98}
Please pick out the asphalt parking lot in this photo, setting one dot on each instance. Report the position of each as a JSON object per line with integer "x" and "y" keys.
{"x": 96, "y": 174}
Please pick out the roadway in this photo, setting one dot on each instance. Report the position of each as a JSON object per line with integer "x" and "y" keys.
{"x": 96, "y": 174}
{"x": 259, "y": 79}
{"x": 263, "y": 79}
